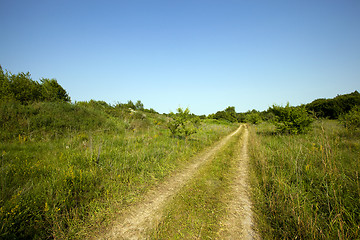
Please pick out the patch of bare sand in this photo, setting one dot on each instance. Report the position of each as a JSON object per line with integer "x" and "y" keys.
{"x": 140, "y": 218}
{"x": 239, "y": 222}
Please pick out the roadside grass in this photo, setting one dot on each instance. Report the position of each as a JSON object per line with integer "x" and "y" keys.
{"x": 70, "y": 184}
{"x": 306, "y": 186}
{"x": 197, "y": 210}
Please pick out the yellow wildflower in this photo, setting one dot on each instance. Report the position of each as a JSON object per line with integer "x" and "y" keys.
{"x": 46, "y": 208}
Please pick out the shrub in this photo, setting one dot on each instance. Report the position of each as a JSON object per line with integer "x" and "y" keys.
{"x": 228, "y": 114}
{"x": 183, "y": 123}
{"x": 290, "y": 119}
{"x": 253, "y": 118}
{"x": 351, "y": 120}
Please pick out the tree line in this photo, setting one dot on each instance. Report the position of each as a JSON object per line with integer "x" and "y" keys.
{"x": 333, "y": 108}
{"x": 20, "y": 87}
{"x": 297, "y": 119}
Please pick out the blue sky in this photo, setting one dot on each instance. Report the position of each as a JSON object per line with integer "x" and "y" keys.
{"x": 201, "y": 54}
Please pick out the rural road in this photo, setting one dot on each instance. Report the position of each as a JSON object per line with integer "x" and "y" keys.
{"x": 140, "y": 218}
{"x": 239, "y": 222}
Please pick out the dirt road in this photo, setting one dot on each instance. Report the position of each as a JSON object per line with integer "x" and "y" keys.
{"x": 142, "y": 217}
{"x": 239, "y": 223}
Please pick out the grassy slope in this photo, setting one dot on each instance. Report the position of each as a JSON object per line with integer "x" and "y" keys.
{"x": 65, "y": 178}
{"x": 307, "y": 186}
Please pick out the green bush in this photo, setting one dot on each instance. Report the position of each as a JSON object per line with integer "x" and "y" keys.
{"x": 351, "y": 120}
{"x": 52, "y": 91}
{"x": 253, "y": 118}
{"x": 183, "y": 123}
{"x": 290, "y": 119}
{"x": 228, "y": 114}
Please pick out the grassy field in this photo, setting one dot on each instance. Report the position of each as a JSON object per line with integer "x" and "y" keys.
{"x": 66, "y": 169}
{"x": 306, "y": 186}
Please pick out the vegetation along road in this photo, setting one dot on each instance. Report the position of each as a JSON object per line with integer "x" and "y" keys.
{"x": 90, "y": 170}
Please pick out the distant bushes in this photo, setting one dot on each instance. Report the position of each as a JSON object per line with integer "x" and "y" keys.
{"x": 253, "y": 117}
{"x": 228, "y": 114}
{"x": 335, "y": 107}
{"x": 290, "y": 119}
{"x": 20, "y": 87}
{"x": 139, "y": 106}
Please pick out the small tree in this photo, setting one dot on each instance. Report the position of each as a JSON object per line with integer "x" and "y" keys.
{"x": 292, "y": 120}
{"x": 139, "y": 105}
{"x": 183, "y": 123}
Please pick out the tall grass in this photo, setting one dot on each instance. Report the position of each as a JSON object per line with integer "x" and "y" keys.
{"x": 70, "y": 184}
{"x": 50, "y": 119}
{"x": 307, "y": 186}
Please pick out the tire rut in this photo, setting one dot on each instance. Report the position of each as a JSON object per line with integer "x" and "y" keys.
{"x": 239, "y": 222}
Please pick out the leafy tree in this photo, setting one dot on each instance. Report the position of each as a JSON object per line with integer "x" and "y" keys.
{"x": 52, "y": 91}
{"x": 253, "y": 117}
{"x": 228, "y": 114}
{"x": 20, "y": 87}
{"x": 290, "y": 119}
{"x": 24, "y": 89}
{"x": 334, "y": 107}
{"x": 241, "y": 117}
{"x": 183, "y": 123}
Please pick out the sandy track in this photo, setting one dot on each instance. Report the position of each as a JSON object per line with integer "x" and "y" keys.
{"x": 239, "y": 222}
{"x": 143, "y": 216}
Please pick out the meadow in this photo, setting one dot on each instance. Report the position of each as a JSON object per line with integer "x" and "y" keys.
{"x": 68, "y": 169}
{"x": 306, "y": 186}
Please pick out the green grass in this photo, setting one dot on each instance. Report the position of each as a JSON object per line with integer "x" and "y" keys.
{"x": 199, "y": 207}
{"x": 50, "y": 119}
{"x": 306, "y": 186}
{"x": 70, "y": 184}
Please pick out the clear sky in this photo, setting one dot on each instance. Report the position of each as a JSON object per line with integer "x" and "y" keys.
{"x": 202, "y": 54}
